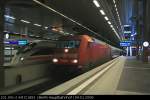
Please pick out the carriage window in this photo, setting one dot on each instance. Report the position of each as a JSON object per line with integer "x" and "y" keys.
{"x": 68, "y": 44}
{"x": 43, "y": 51}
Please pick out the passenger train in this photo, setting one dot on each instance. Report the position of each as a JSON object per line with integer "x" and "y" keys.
{"x": 75, "y": 52}
{"x": 36, "y": 52}
{"x": 83, "y": 51}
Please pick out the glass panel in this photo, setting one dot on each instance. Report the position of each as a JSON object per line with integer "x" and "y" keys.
{"x": 68, "y": 44}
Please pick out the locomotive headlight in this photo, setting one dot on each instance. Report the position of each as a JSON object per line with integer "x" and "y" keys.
{"x": 66, "y": 50}
{"x": 75, "y": 61}
{"x": 55, "y": 60}
{"x": 21, "y": 58}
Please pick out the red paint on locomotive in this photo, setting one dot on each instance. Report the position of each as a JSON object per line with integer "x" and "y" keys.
{"x": 89, "y": 52}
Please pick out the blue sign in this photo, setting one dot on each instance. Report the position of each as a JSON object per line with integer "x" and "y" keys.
{"x": 16, "y": 42}
{"x": 22, "y": 42}
{"x": 126, "y": 41}
{"x": 125, "y": 44}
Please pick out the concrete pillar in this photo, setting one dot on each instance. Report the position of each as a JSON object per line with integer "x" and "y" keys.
{"x": 146, "y": 6}
{"x": 130, "y": 51}
{"x": 2, "y": 12}
{"x": 26, "y": 30}
{"x": 127, "y": 50}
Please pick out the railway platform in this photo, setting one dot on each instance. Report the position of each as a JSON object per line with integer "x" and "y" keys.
{"x": 121, "y": 76}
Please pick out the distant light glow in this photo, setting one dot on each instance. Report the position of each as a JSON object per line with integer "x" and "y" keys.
{"x": 6, "y": 42}
{"x": 31, "y": 35}
{"x": 8, "y": 48}
{"x": 146, "y": 44}
{"x": 96, "y": 3}
{"x": 21, "y": 58}
{"x": 7, "y": 36}
{"x": 55, "y": 60}
{"x": 11, "y": 17}
{"x": 66, "y": 50}
{"x": 37, "y": 36}
{"x": 54, "y": 29}
{"x": 102, "y": 12}
{"x": 75, "y": 61}
{"x": 61, "y": 31}
{"x": 126, "y": 25}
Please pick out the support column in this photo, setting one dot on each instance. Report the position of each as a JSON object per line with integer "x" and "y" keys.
{"x": 2, "y": 12}
{"x": 146, "y": 29}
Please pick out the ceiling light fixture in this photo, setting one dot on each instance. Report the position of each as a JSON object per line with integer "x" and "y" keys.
{"x": 106, "y": 18}
{"x": 102, "y": 12}
{"x": 24, "y": 21}
{"x": 96, "y": 3}
{"x": 37, "y": 25}
{"x": 109, "y": 22}
{"x": 46, "y": 27}
{"x": 111, "y": 26}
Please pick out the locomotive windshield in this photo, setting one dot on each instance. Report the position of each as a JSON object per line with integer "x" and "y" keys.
{"x": 68, "y": 44}
{"x": 26, "y": 48}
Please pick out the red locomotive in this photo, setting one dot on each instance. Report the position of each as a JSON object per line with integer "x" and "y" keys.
{"x": 81, "y": 51}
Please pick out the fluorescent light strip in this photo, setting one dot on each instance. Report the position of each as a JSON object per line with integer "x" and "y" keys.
{"x": 111, "y": 26}
{"x": 114, "y": 1}
{"x": 126, "y": 25}
{"x": 117, "y": 12}
{"x": 117, "y": 35}
{"x": 37, "y": 25}
{"x": 118, "y": 19}
{"x": 46, "y": 27}
{"x": 102, "y": 12}
{"x": 109, "y": 22}
{"x": 106, "y": 18}
{"x": 9, "y": 48}
{"x": 11, "y": 17}
{"x": 24, "y": 21}
{"x": 96, "y": 3}
{"x": 37, "y": 36}
{"x": 31, "y": 35}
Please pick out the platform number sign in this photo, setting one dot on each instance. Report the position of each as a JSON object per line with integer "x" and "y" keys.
{"x": 125, "y": 44}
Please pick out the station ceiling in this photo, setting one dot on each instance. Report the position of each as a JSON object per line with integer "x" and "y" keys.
{"x": 82, "y": 11}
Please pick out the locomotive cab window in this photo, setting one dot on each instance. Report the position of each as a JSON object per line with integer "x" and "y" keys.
{"x": 43, "y": 51}
{"x": 89, "y": 44}
{"x": 68, "y": 44}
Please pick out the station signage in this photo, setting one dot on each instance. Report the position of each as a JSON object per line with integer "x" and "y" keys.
{"x": 125, "y": 43}
{"x": 127, "y": 32}
{"x": 16, "y": 42}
